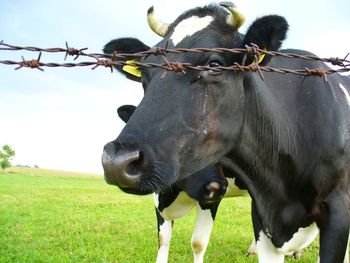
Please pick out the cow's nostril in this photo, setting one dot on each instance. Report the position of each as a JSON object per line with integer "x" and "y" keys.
{"x": 134, "y": 168}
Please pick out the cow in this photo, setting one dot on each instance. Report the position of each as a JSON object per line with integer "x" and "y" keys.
{"x": 203, "y": 190}
{"x": 285, "y": 137}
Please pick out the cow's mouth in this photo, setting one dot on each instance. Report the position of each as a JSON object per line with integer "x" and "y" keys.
{"x": 135, "y": 191}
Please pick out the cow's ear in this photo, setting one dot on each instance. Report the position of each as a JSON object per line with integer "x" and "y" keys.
{"x": 267, "y": 32}
{"x": 128, "y": 46}
{"x": 125, "y": 112}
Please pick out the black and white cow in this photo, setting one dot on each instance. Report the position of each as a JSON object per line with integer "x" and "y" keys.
{"x": 203, "y": 190}
{"x": 287, "y": 140}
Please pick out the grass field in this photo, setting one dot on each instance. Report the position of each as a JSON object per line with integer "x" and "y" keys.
{"x": 54, "y": 216}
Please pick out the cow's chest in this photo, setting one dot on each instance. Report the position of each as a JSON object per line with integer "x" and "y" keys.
{"x": 301, "y": 239}
{"x": 181, "y": 206}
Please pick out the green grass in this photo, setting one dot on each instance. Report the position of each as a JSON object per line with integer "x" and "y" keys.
{"x": 53, "y": 216}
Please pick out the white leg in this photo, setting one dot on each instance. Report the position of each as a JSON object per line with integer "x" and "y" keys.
{"x": 164, "y": 234}
{"x": 346, "y": 259}
{"x": 201, "y": 233}
{"x": 267, "y": 252}
{"x": 252, "y": 250}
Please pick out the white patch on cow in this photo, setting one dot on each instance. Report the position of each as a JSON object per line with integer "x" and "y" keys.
{"x": 346, "y": 93}
{"x": 201, "y": 233}
{"x": 180, "y": 207}
{"x": 267, "y": 252}
{"x": 252, "y": 250}
{"x": 155, "y": 200}
{"x": 233, "y": 190}
{"x": 165, "y": 231}
{"x": 189, "y": 26}
{"x": 346, "y": 258}
{"x": 300, "y": 240}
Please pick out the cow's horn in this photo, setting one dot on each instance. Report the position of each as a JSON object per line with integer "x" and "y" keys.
{"x": 235, "y": 18}
{"x": 156, "y": 24}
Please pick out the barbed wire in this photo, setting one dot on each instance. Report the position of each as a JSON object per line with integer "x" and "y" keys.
{"x": 110, "y": 60}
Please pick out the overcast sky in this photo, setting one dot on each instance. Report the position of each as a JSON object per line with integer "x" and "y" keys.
{"x": 61, "y": 118}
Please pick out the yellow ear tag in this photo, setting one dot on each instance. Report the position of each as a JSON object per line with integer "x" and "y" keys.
{"x": 133, "y": 70}
{"x": 261, "y": 57}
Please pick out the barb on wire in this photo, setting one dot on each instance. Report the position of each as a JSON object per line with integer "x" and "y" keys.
{"x": 70, "y": 51}
{"x": 34, "y": 63}
{"x": 108, "y": 63}
{"x": 321, "y": 72}
{"x": 253, "y": 67}
{"x": 338, "y": 61}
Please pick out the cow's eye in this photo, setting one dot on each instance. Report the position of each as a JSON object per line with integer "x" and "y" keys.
{"x": 215, "y": 64}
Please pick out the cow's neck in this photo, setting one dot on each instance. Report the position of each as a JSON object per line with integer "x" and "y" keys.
{"x": 266, "y": 152}
{"x": 267, "y": 140}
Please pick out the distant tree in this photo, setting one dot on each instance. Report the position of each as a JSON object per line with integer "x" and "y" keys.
{"x": 5, "y": 163}
{"x": 6, "y": 155}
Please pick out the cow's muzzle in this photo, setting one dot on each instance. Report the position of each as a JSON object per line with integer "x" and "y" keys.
{"x": 125, "y": 165}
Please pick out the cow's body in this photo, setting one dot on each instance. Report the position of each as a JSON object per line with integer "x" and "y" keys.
{"x": 286, "y": 139}
{"x": 310, "y": 158}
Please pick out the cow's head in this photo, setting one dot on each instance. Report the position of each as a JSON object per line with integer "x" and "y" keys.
{"x": 207, "y": 185}
{"x": 186, "y": 121}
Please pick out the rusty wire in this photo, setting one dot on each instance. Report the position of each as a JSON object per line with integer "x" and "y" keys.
{"x": 253, "y": 49}
{"x": 110, "y": 60}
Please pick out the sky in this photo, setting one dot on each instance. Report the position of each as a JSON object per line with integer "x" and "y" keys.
{"x": 61, "y": 118}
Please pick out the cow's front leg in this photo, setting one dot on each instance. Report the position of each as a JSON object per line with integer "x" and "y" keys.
{"x": 204, "y": 225}
{"x": 267, "y": 252}
{"x": 346, "y": 259}
{"x": 334, "y": 223}
{"x": 252, "y": 249}
{"x": 164, "y": 238}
